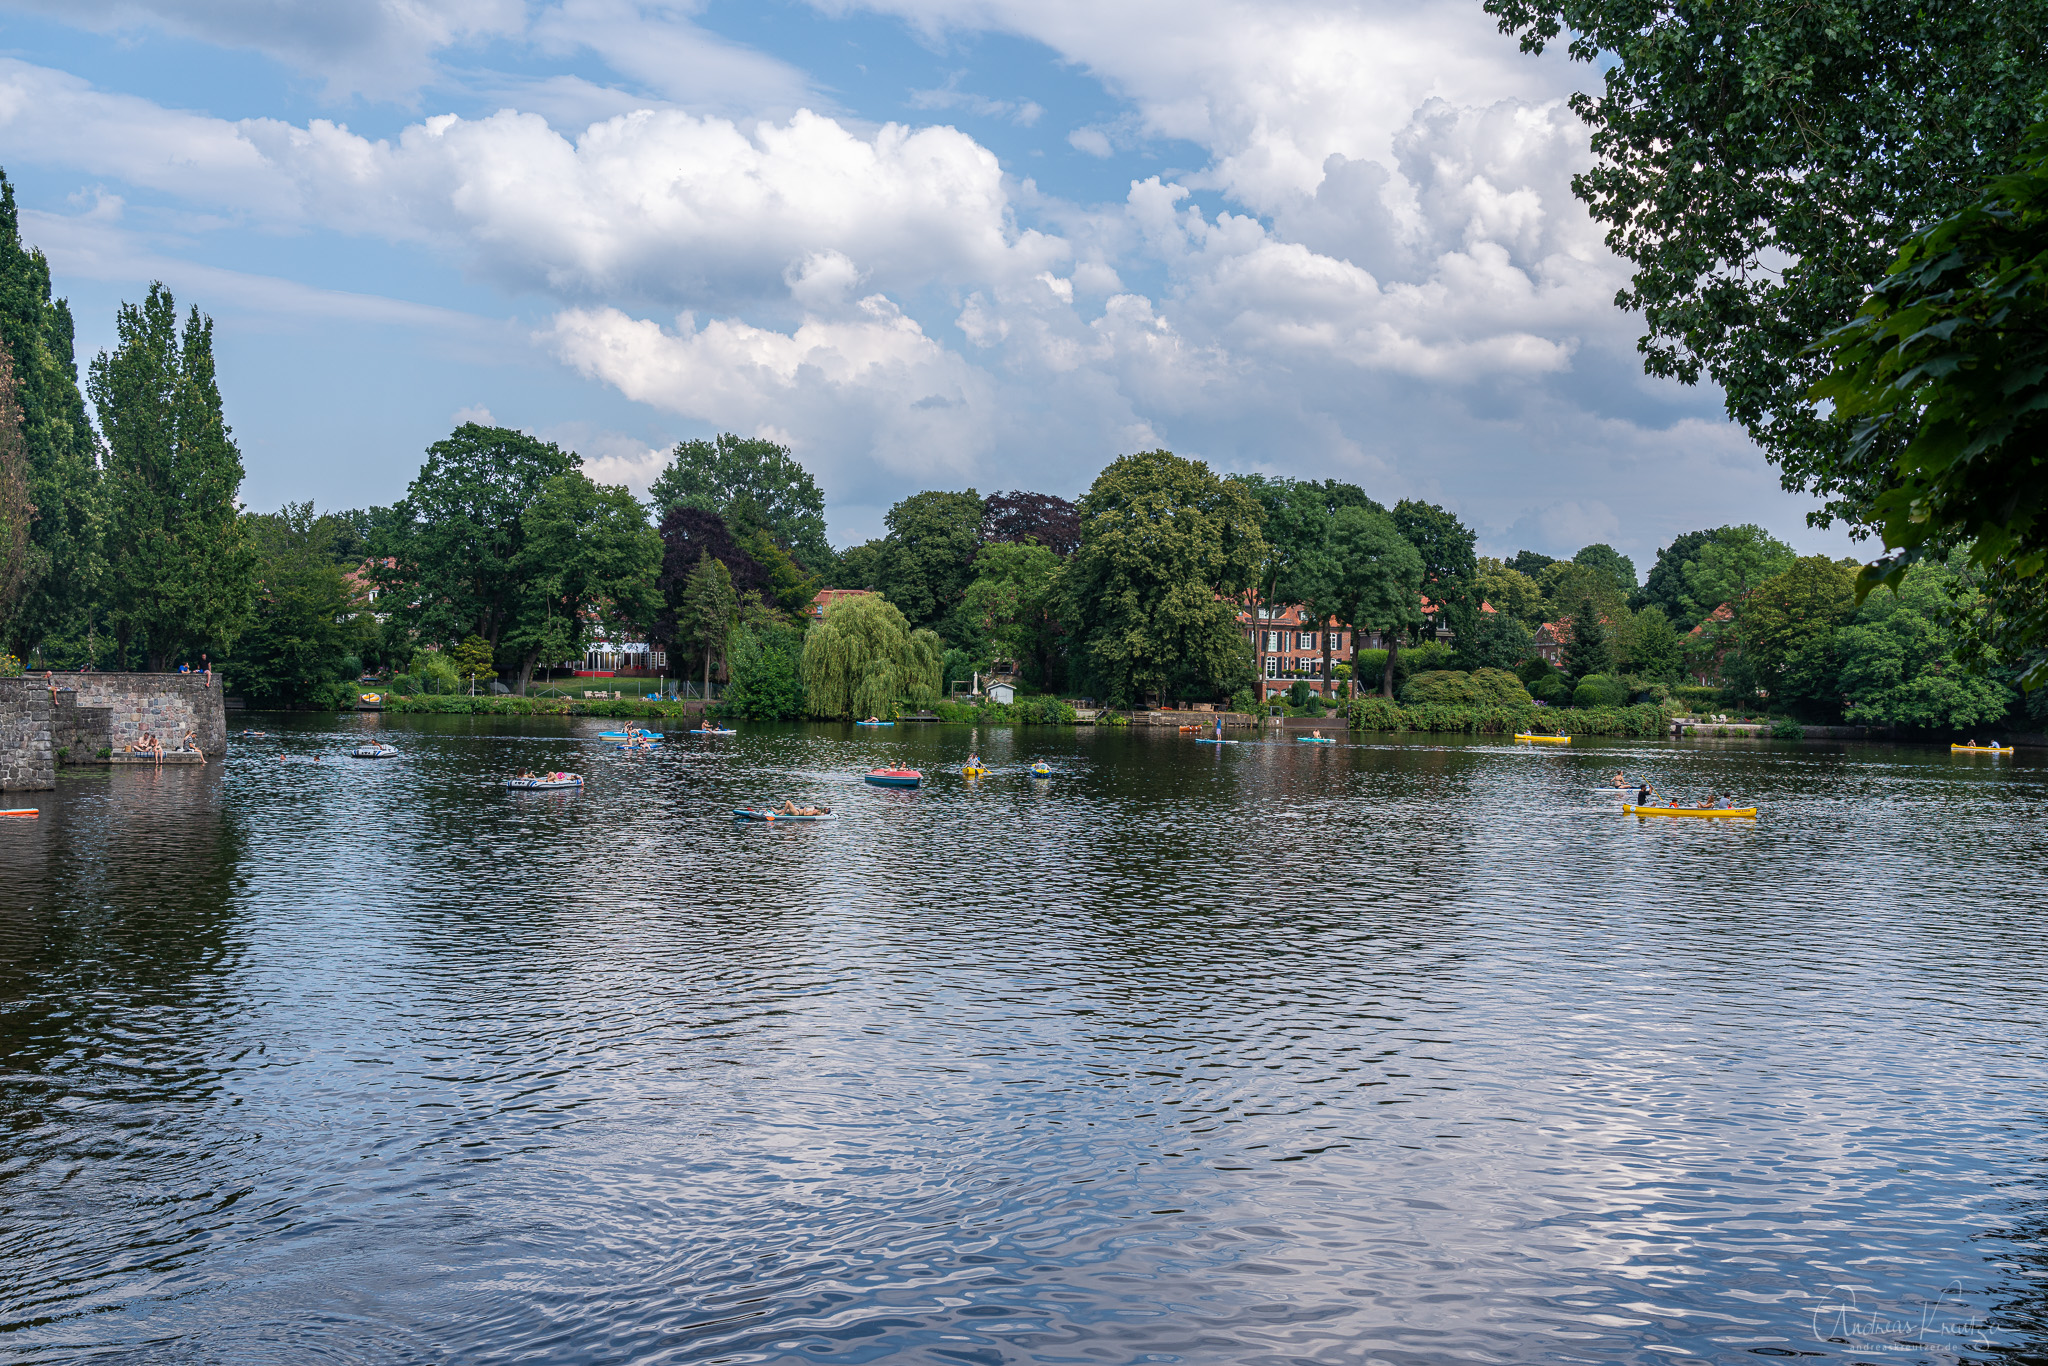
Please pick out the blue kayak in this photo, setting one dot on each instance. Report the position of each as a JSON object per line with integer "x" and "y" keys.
{"x": 1312, "y": 740}
{"x": 1219, "y": 742}
{"x": 874, "y": 723}
{"x": 746, "y": 813}
{"x": 714, "y": 732}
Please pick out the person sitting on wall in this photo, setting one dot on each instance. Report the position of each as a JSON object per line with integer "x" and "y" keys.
{"x": 184, "y": 668}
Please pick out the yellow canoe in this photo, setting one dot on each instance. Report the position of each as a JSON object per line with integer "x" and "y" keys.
{"x": 1981, "y": 749}
{"x": 1547, "y": 739}
{"x": 1687, "y": 811}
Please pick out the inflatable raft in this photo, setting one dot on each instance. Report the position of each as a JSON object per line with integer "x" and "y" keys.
{"x": 1688, "y": 811}
{"x": 22, "y": 811}
{"x": 1041, "y": 770}
{"x": 970, "y": 771}
{"x": 895, "y": 777}
{"x": 553, "y": 782}
{"x": 373, "y": 752}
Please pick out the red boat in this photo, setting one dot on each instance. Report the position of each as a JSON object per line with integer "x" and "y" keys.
{"x": 896, "y": 777}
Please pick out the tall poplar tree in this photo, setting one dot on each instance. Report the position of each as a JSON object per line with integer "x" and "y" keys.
{"x": 60, "y": 453}
{"x": 180, "y": 568}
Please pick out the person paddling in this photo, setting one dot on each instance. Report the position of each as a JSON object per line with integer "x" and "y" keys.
{"x": 1644, "y": 793}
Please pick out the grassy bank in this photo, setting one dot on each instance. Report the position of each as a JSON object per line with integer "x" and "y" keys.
{"x": 1377, "y": 713}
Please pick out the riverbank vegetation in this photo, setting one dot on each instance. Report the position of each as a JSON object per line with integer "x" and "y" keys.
{"x": 126, "y": 546}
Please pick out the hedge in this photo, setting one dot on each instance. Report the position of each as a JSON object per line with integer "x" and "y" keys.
{"x": 1377, "y": 713}
{"x": 1032, "y": 711}
{"x": 532, "y": 706}
{"x": 478, "y": 706}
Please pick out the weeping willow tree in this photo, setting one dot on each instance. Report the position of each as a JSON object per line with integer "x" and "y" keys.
{"x": 863, "y": 657}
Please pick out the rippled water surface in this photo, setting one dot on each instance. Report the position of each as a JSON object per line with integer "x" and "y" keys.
{"x": 1375, "y": 1052}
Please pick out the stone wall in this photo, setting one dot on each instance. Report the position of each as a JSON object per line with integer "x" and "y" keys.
{"x": 80, "y": 732}
{"x": 27, "y": 758}
{"x": 91, "y": 712}
{"x": 165, "y": 705}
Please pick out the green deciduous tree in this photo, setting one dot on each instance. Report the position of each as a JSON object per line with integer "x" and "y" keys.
{"x": 588, "y": 561}
{"x": 460, "y": 533}
{"x": 1898, "y": 660}
{"x": 1732, "y": 564}
{"x": 1494, "y": 640}
{"x": 1943, "y": 378}
{"x": 1605, "y": 559}
{"x": 1379, "y": 582}
{"x": 1788, "y": 630}
{"x": 928, "y": 556}
{"x": 1759, "y": 164}
{"x": 473, "y": 659}
{"x": 1166, "y": 550}
{"x": 1665, "y": 586}
{"x": 305, "y": 628}
{"x": 1448, "y": 564}
{"x": 1655, "y": 649}
{"x": 749, "y": 482}
{"x": 765, "y": 663}
{"x": 1014, "y": 599}
{"x": 180, "y": 570}
{"x": 60, "y": 566}
{"x": 1508, "y": 590}
{"x": 863, "y": 656}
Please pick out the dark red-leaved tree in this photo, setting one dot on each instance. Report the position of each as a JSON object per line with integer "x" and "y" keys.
{"x": 688, "y": 533}
{"x": 1052, "y": 522}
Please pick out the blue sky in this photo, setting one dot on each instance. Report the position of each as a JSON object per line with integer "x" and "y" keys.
{"x": 928, "y": 243}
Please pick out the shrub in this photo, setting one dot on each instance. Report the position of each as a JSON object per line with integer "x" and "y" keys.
{"x": 1598, "y": 690}
{"x": 10, "y": 667}
{"x": 435, "y": 671}
{"x": 1443, "y": 686}
{"x": 1297, "y": 693}
{"x": 1316, "y": 705}
{"x": 1242, "y": 700}
{"x": 1377, "y": 713}
{"x": 1427, "y": 658}
{"x": 1696, "y": 696}
{"x": 1788, "y": 730}
{"x": 1498, "y": 687}
{"x": 403, "y": 685}
{"x": 1535, "y": 670}
{"x": 1112, "y": 718}
{"x": 1551, "y": 691}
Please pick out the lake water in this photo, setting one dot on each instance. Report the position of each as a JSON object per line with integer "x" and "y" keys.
{"x": 1391, "y": 1051}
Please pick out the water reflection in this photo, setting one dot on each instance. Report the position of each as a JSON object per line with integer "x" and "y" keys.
{"x": 1401, "y": 1051}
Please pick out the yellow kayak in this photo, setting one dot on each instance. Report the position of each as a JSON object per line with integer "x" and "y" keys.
{"x": 1688, "y": 811}
{"x": 1981, "y": 749}
{"x": 972, "y": 772}
{"x": 1547, "y": 739}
